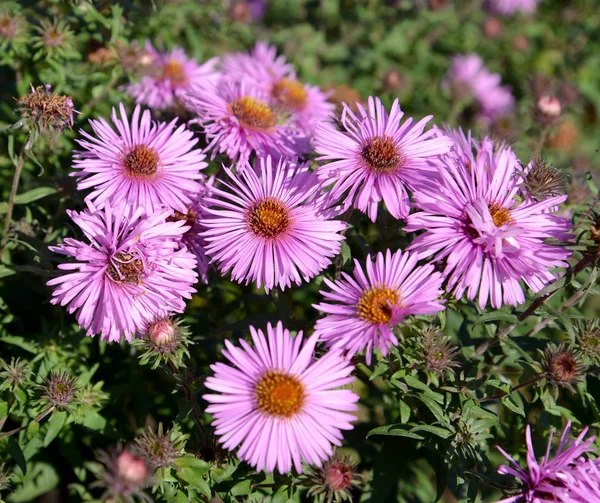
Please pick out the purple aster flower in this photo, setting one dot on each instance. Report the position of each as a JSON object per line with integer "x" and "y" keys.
{"x": 173, "y": 73}
{"x": 306, "y": 105}
{"x": 267, "y": 225}
{"x": 376, "y": 158}
{"x": 488, "y": 238}
{"x": 144, "y": 163}
{"x": 511, "y": 7}
{"x": 567, "y": 478}
{"x": 132, "y": 271}
{"x": 364, "y": 308}
{"x": 278, "y": 402}
{"x": 468, "y": 74}
{"x": 238, "y": 120}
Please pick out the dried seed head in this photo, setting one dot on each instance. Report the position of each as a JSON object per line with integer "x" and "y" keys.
{"x": 562, "y": 366}
{"x": 587, "y": 339}
{"x": 334, "y": 481}
{"x": 43, "y": 110}
{"x": 16, "y": 373}
{"x": 160, "y": 448}
{"x": 542, "y": 180}
{"x": 436, "y": 353}
{"x": 123, "y": 476}
{"x": 59, "y": 389}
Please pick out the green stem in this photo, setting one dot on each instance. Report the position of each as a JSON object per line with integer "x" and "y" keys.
{"x": 11, "y": 197}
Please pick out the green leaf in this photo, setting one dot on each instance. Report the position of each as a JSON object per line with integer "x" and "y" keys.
{"x": 590, "y": 183}
{"x": 30, "y": 196}
{"x": 434, "y": 430}
{"x": 193, "y": 476}
{"x": 242, "y": 488}
{"x": 510, "y": 403}
{"x": 94, "y": 421}
{"x": 404, "y": 412}
{"x": 57, "y": 421}
{"x": 32, "y": 430}
{"x": 193, "y": 462}
{"x": 21, "y": 342}
{"x": 496, "y": 316}
{"x": 346, "y": 253}
{"x": 395, "y": 430}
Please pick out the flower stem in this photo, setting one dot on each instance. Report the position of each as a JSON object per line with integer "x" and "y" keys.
{"x": 11, "y": 198}
{"x": 189, "y": 394}
{"x": 501, "y": 396}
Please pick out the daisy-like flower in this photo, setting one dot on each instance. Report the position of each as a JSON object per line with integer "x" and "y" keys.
{"x": 511, "y": 7}
{"x": 487, "y": 236}
{"x": 306, "y": 105}
{"x": 567, "y": 478}
{"x": 363, "y": 308}
{"x": 238, "y": 120}
{"x": 278, "y": 402}
{"x": 375, "y": 157}
{"x": 133, "y": 271}
{"x": 469, "y": 76}
{"x": 144, "y": 163}
{"x": 266, "y": 225}
{"x": 172, "y": 75}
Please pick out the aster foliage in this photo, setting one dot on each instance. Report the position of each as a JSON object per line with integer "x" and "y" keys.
{"x": 283, "y": 252}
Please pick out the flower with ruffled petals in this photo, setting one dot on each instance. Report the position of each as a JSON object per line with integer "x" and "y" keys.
{"x": 362, "y": 309}
{"x": 375, "y": 157}
{"x": 173, "y": 73}
{"x": 567, "y": 478}
{"x": 488, "y": 238}
{"x": 144, "y": 163}
{"x": 279, "y": 404}
{"x": 132, "y": 271}
{"x": 266, "y": 225}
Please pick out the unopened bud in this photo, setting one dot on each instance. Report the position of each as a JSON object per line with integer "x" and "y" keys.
{"x": 162, "y": 332}
{"x": 132, "y": 468}
{"x": 521, "y": 43}
{"x": 547, "y": 109}
{"x": 335, "y": 480}
{"x": 562, "y": 367}
{"x": 492, "y": 28}
{"x": 392, "y": 81}
{"x": 59, "y": 389}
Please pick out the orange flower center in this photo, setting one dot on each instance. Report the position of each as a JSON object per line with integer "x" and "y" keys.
{"x": 125, "y": 268}
{"x": 142, "y": 161}
{"x": 173, "y": 71}
{"x": 268, "y": 218}
{"x": 375, "y": 305}
{"x": 500, "y": 215}
{"x": 382, "y": 154}
{"x": 253, "y": 114}
{"x": 290, "y": 94}
{"x": 279, "y": 394}
{"x": 189, "y": 218}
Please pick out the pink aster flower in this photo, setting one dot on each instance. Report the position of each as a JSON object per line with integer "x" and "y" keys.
{"x": 237, "y": 119}
{"x": 511, "y": 7}
{"x": 488, "y": 238}
{"x": 144, "y": 163}
{"x": 468, "y": 74}
{"x": 363, "y": 308}
{"x": 306, "y": 105}
{"x": 132, "y": 271}
{"x": 375, "y": 157}
{"x": 279, "y": 404}
{"x": 173, "y": 73}
{"x": 266, "y": 225}
{"x": 567, "y": 478}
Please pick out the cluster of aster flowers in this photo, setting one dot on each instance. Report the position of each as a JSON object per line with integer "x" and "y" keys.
{"x": 153, "y": 223}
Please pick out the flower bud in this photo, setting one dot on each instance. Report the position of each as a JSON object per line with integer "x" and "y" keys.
{"x": 562, "y": 367}
{"x": 59, "y": 389}
{"x": 392, "y": 81}
{"x": 334, "y": 481}
{"x": 492, "y": 28}
{"x": 131, "y": 468}
{"x": 547, "y": 110}
{"x": 162, "y": 332}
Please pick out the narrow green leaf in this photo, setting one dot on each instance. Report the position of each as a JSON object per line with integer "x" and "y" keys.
{"x": 589, "y": 179}
{"x": 57, "y": 421}
{"x": 395, "y": 430}
{"x": 496, "y": 316}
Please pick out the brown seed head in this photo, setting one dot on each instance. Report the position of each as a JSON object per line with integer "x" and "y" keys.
{"x": 41, "y": 109}
{"x": 562, "y": 366}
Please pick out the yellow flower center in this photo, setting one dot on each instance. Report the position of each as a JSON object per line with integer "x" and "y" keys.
{"x": 382, "y": 154}
{"x": 500, "y": 215}
{"x": 125, "y": 268}
{"x": 268, "y": 218}
{"x": 253, "y": 114}
{"x": 289, "y": 94}
{"x": 173, "y": 71}
{"x": 142, "y": 161}
{"x": 375, "y": 305}
{"x": 279, "y": 394}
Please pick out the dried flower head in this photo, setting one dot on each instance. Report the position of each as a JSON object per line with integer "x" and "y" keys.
{"x": 123, "y": 475}
{"x": 159, "y": 448}
{"x": 547, "y": 110}
{"x": 15, "y": 374}
{"x": 59, "y": 389}
{"x": 165, "y": 341}
{"x": 42, "y": 110}
{"x": 334, "y": 481}
{"x": 436, "y": 353}
{"x": 587, "y": 339}
{"x": 4, "y": 478}
{"x": 542, "y": 180}
{"x": 562, "y": 366}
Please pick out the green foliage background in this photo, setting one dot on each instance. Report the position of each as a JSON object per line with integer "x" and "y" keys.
{"x": 418, "y": 437}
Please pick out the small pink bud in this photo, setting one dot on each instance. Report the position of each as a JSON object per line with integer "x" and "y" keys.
{"x": 339, "y": 476}
{"x": 161, "y": 332}
{"x": 132, "y": 468}
{"x": 492, "y": 28}
{"x": 549, "y": 106}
